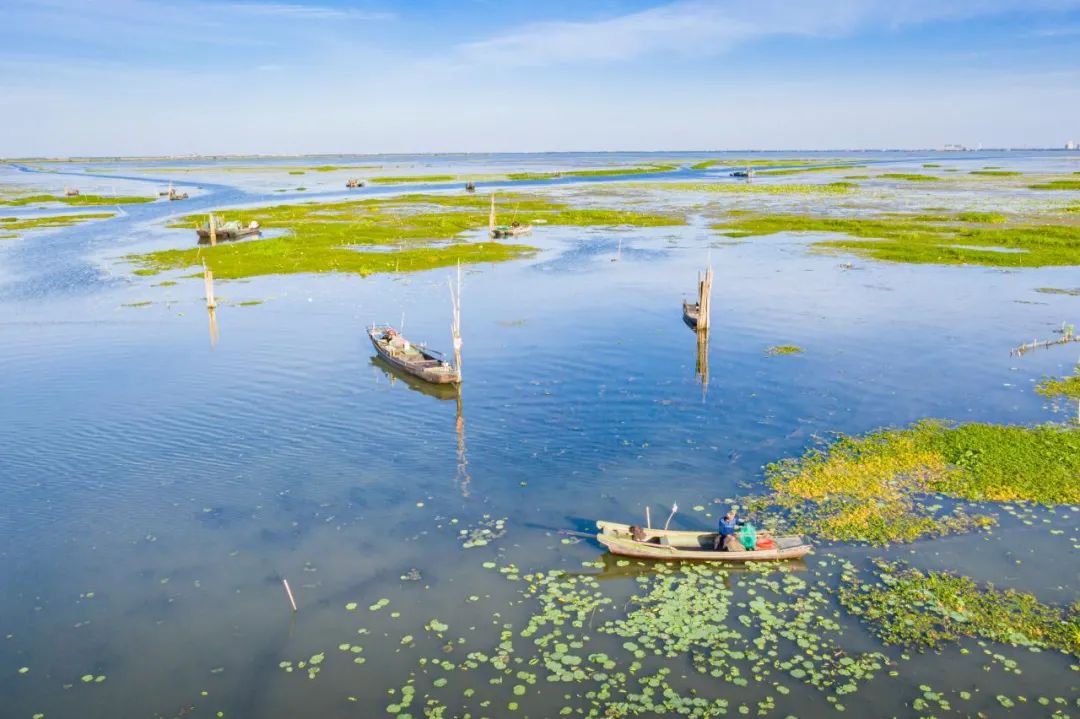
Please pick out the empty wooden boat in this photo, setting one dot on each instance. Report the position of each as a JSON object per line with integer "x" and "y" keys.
{"x": 226, "y": 231}
{"x": 426, "y": 364}
{"x": 353, "y": 183}
{"x": 677, "y": 546}
{"x": 690, "y": 313}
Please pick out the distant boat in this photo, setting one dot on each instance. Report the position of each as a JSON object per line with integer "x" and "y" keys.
{"x": 511, "y": 230}
{"x": 227, "y": 231}
{"x": 690, "y": 314}
{"x": 71, "y": 192}
{"x": 426, "y": 364}
{"x": 675, "y": 546}
{"x": 470, "y": 187}
{"x": 747, "y": 173}
{"x": 352, "y": 183}
{"x": 172, "y": 194}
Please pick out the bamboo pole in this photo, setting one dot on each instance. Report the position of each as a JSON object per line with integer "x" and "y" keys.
{"x": 213, "y": 230}
{"x": 491, "y": 216}
{"x": 704, "y": 298}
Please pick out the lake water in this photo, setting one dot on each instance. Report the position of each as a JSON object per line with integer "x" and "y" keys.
{"x": 157, "y": 486}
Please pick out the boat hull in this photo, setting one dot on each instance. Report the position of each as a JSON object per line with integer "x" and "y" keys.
{"x": 691, "y": 546}
{"x": 434, "y": 375}
{"x": 225, "y": 235}
{"x": 690, "y": 314}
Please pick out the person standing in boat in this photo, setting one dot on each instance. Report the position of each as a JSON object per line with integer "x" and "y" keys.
{"x": 725, "y": 537}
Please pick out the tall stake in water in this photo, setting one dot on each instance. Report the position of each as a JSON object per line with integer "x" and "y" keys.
{"x": 455, "y": 325}
{"x": 491, "y": 216}
{"x": 213, "y": 231}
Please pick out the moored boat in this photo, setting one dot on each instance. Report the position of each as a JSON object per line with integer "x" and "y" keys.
{"x": 677, "y": 546}
{"x": 512, "y": 230}
{"x": 353, "y": 183}
{"x": 690, "y": 314}
{"x": 227, "y": 231}
{"x": 426, "y": 364}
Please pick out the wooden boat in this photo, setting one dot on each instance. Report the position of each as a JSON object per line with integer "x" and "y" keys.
{"x": 690, "y": 314}
{"x": 747, "y": 173}
{"x": 71, "y": 192}
{"x": 677, "y": 546}
{"x": 174, "y": 195}
{"x": 352, "y": 183}
{"x": 470, "y": 187}
{"x": 227, "y": 231}
{"x": 499, "y": 231}
{"x": 426, "y": 364}
{"x": 414, "y": 383}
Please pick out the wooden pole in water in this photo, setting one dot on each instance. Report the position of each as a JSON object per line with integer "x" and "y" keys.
{"x": 213, "y": 230}
{"x": 704, "y": 298}
{"x": 288, "y": 593}
{"x": 491, "y": 216}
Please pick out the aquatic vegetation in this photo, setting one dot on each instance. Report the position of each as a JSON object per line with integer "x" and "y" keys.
{"x": 331, "y": 237}
{"x": 1068, "y": 387}
{"x": 929, "y": 609}
{"x": 800, "y": 170}
{"x": 777, "y": 350}
{"x": 487, "y": 530}
{"x": 909, "y": 177}
{"x": 931, "y": 164}
{"x": 929, "y": 239}
{"x": 758, "y": 162}
{"x": 399, "y": 179}
{"x": 1056, "y": 185}
{"x": 996, "y": 173}
{"x": 16, "y": 225}
{"x": 1074, "y": 292}
{"x": 609, "y": 172}
{"x": 74, "y": 201}
{"x": 867, "y": 488}
{"x": 743, "y": 187}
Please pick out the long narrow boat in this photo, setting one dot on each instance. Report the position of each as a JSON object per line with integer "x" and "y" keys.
{"x": 499, "y": 231}
{"x": 227, "y": 231}
{"x": 426, "y": 364}
{"x": 677, "y": 546}
{"x": 690, "y": 314}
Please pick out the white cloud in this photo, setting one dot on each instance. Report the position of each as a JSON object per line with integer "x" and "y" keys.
{"x": 701, "y": 27}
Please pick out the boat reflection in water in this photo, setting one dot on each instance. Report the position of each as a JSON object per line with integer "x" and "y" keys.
{"x": 440, "y": 392}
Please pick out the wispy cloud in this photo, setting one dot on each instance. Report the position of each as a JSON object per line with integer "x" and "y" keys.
{"x": 702, "y": 27}
{"x": 301, "y": 12}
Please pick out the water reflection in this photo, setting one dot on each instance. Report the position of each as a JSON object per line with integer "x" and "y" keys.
{"x": 212, "y": 312}
{"x": 618, "y": 567}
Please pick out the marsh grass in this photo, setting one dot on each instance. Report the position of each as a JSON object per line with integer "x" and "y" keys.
{"x": 909, "y": 177}
{"x": 926, "y": 610}
{"x": 1056, "y": 185}
{"x": 76, "y": 201}
{"x": 832, "y": 188}
{"x": 996, "y": 173}
{"x": 16, "y": 226}
{"x": 401, "y": 179}
{"x": 1075, "y": 292}
{"x": 867, "y": 488}
{"x": 606, "y": 172}
{"x": 399, "y": 232}
{"x": 964, "y": 238}
{"x": 1067, "y": 387}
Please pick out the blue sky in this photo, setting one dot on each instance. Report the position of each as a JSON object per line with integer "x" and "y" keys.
{"x": 109, "y": 77}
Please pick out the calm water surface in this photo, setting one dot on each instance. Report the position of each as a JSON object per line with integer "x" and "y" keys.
{"x": 156, "y": 487}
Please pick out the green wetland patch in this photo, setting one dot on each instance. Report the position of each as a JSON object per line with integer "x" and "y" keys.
{"x": 870, "y": 488}
{"x": 12, "y": 226}
{"x": 832, "y": 188}
{"x": 604, "y": 172}
{"x": 405, "y": 234}
{"x": 979, "y": 238}
{"x": 74, "y": 201}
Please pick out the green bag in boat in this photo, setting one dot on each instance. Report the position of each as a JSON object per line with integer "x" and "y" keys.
{"x": 748, "y": 536}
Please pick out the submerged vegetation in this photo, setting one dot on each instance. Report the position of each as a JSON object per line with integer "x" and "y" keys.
{"x": 401, "y": 179}
{"x": 400, "y": 232}
{"x": 1074, "y": 292}
{"x": 929, "y": 609}
{"x": 996, "y": 173}
{"x": 74, "y": 200}
{"x": 777, "y": 350}
{"x": 866, "y": 488}
{"x": 934, "y": 239}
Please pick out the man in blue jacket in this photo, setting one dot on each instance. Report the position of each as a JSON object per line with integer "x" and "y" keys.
{"x": 728, "y": 528}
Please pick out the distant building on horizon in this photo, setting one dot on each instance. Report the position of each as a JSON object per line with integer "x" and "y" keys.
{"x": 1072, "y": 145}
